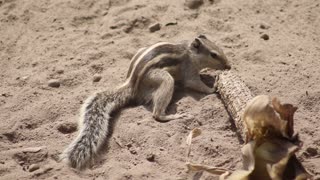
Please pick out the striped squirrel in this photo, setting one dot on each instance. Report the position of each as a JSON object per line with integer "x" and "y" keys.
{"x": 151, "y": 78}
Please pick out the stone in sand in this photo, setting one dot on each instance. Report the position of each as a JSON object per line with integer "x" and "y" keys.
{"x": 96, "y": 78}
{"x": 193, "y": 4}
{"x": 33, "y": 167}
{"x": 154, "y": 27}
{"x": 54, "y": 83}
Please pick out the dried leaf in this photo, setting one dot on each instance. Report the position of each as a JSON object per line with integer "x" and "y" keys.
{"x": 238, "y": 175}
{"x": 295, "y": 170}
{"x": 271, "y": 159}
{"x": 209, "y": 169}
{"x": 268, "y": 124}
{"x": 270, "y": 155}
{"x": 194, "y": 133}
{"x": 286, "y": 112}
{"x": 261, "y": 119}
{"x": 198, "y": 167}
{"x": 248, "y": 163}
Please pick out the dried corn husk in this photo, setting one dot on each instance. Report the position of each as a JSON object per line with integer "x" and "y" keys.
{"x": 269, "y": 125}
{"x": 272, "y": 159}
{"x": 262, "y": 120}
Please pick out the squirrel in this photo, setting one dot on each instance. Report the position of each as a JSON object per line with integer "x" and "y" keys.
{"x": 151, "y": 77}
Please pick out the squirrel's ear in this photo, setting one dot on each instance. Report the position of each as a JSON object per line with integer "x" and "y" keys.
{"x": 202, "y": 36}
{"x": 196, "y": 43}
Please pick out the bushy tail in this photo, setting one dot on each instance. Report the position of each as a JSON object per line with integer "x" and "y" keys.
{"x": 94, "y": 126}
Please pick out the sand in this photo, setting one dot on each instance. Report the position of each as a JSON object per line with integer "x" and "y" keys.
{"x": 272, "y": 45}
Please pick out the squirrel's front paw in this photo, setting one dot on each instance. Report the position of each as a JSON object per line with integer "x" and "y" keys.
{"x": 212, "y": 90}
{"x": 215, "y": 85}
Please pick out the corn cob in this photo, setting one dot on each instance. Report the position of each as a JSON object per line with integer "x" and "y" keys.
{"x": 235, "y": 95}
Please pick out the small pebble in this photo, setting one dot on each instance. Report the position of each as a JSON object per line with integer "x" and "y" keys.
{"x": 54, "y": 83}
{"x": 265, "y": 37}
{"x": 132, "y": 151}
{"x": 60, "y": 71}
{"x": 5, "y": 95}
{"x": 264, "y": 26}
{"x": 96, "y": 78}
{"x": 193, "y": 4}
{"x": 33, "y": 149}
{"x": 67, "y": 128}
{"x": 24, "y": 78}
{"x": 113, "y": 27}
{"x": 127, "y": 28}
{"x": 129, "y": 145}
{"x": 33, "y": 167}
{"x": 154, "y": 27}
{"x": 34, "y": 64}
{"x": 151, "y": 157}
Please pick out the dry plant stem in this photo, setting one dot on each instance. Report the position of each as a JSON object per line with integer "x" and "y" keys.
{"x": 235, "y": 95}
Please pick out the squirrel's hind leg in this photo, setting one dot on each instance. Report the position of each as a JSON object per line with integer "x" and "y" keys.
{"x": 162, "y": 94}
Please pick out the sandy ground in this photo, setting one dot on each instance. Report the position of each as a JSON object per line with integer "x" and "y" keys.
{"x": 72, "y": 40}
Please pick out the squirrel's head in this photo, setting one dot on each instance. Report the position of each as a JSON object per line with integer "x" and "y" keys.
{"x": 209, "y": 54}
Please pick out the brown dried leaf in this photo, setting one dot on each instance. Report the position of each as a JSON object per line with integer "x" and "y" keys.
{"x": 271, "y": 153}
{"x": 261, "y": 119}
{"x": 272, "y": 159}
{"x": 248, "y": 163}
{"x": 198, "y": 167}
{"x": 286, "y": 112}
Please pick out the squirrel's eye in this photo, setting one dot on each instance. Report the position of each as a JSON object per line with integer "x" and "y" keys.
{"x": 213, "y": 55}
